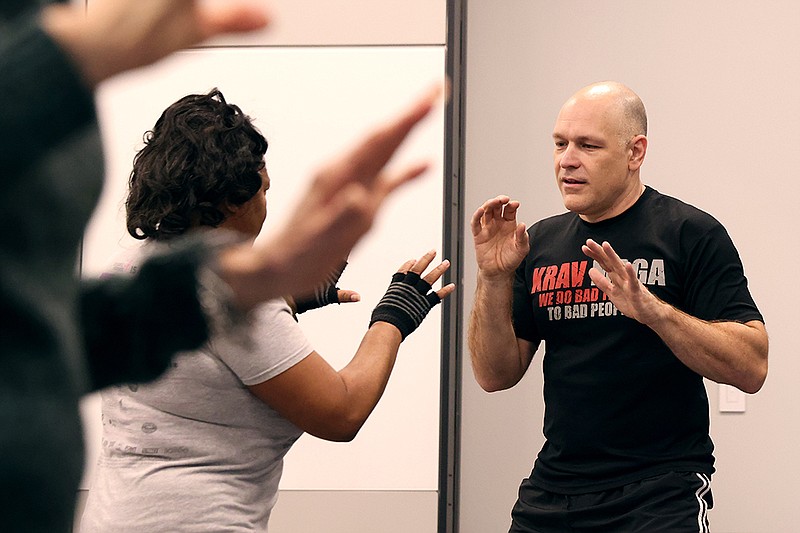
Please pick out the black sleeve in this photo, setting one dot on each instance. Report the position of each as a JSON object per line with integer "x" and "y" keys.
{"x": 522, "y": 307}
{"x": 716, "y": 287}
{"x": 133, "y": 326}
{"x": 44, "y": 99}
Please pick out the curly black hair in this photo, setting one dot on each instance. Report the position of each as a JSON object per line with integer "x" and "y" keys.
{"x": 202, "y": 154}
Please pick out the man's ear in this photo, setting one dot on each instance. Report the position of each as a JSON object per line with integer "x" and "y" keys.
{"x": 638, "y": 150}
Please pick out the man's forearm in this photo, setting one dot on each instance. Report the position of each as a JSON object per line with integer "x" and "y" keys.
{"x": 726, "y": 352}
{"x": 496, "y": 359}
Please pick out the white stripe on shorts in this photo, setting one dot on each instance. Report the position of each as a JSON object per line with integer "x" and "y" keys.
{"x": 702, "y": 515}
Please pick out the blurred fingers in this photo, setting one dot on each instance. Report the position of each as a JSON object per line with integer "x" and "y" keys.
{"x": 231, "y": 17}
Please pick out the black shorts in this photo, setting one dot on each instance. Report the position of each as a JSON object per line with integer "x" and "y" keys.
{"x": 673, "y": 502}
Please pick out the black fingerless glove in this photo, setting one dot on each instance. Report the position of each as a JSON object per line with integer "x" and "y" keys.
{"x": 325, "y": 294}
{"x": 406, "y": 303}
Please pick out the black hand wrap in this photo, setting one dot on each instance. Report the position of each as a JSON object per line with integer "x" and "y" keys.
{"x": 325, "y": 294}
{"x": 406, "y": 303}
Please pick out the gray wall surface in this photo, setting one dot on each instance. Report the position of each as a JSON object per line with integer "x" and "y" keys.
{"x": 719, "y": 80}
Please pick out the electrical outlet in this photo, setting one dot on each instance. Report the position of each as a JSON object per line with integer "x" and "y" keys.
{"x": 731, "y": 399}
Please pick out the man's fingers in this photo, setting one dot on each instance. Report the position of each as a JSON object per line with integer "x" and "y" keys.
{"x": 497, "y": 211}
{"x": 632, "y": 277}
{"x": 521, "y": 235}
{"x": 593, "y": 247}
{"x": 610, "y": 252}
{"x": 510, "y": 210}
{"x": 502, "y": 208}
{"x": 600, "y": 280}
{"x": 475, "y": 223}
{"x": 596, "y": 252}
{"x": 497, "y": 200}
{"x": 605, "y": 251}
{"x": 490, "y": 210}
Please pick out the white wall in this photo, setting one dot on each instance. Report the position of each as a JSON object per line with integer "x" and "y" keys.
{"x": 719, "y": 80}
{"x": 349, "y": 22}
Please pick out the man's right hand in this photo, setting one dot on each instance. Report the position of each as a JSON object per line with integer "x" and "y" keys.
{"x": 500, "y": 242}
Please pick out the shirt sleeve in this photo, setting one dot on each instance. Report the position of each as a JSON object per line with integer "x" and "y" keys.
{"x": 716, "y": 286}
{"x": 274, "y": 344}
{"x": 522, "y": 310}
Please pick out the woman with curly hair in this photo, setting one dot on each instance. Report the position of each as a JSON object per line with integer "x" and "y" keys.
{"x": 202, "y": 160}
{"x": 202, "y": 448}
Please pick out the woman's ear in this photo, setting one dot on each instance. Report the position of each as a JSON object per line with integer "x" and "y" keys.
{"x": 229, "y": 209}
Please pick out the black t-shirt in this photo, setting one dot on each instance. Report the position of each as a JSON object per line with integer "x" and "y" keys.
{"x": 619, "y": 406}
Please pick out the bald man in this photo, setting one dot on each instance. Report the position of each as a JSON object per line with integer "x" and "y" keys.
{"x": 630, "y": 331}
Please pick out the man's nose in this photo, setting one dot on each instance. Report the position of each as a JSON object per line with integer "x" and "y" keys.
{"x": 569, "y": 157}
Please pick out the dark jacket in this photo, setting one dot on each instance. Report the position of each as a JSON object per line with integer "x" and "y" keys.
{"x": 60, "y": 338}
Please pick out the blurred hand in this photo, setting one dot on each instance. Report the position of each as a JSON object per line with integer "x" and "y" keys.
{"x": 336, "y": 211}
{"x": 118, "y": 35}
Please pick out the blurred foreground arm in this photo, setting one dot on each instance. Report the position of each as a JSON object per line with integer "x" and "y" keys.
{"x": 118, "y": 35}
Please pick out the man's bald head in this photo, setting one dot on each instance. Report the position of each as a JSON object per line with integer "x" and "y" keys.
{"x": 621, "y": 105}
